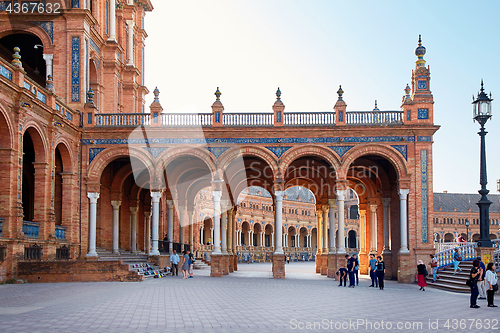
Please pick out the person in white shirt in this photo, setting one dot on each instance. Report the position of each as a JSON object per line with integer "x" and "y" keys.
{"x": 174, "y": 260}
{"x": 491, "y": 281}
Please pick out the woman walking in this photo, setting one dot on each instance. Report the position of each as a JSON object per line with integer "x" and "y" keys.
{"x": 491, "y": 283}
{"x": 434, "y": 267}
{"x": 380, "y": 272}
{"x": 475, "y": 273}
{"x": 456, "y": 260}
{"x": 185, "y": 265}
{"x": 421, "y": 274}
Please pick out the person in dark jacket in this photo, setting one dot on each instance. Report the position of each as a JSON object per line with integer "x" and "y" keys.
{"x": 342, "y": 274}
{"x": 351, "y": 263}
{"x": 380, "y": 272}
{"x": 372, "y": 266}
{"x": 421, "y": 274}
{"x": 475, "y": 273}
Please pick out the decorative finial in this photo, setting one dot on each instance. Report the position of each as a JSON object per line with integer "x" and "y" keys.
{"x": 16, "y": 62}
{"x": 407, "y": 90}
{"x": 420, "y": 52}
{"x": 482, "y": 85}
{"x": 156, "y": 92}
{"x": 340, "y": 92}
{"x": 90, "y": 96}
{"x": 217, "y": 94}
{"x": 278, "y": 94}
{"x": 376, "y": 108}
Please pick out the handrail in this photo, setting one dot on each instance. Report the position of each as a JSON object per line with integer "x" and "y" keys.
{"x": 445, "y": 258}
{"x": 122, "y": 119}
{"x": 60, "y": 232}
{"x": 246, "y": 119}
{"x": 374, "y": 117}
{"x": 450, "y": 245}
{"x": 186, "y": 119}
{"x": 31, "y": 229}
{"x": 309, "y": 118}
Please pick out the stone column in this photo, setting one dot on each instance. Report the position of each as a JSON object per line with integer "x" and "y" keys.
{"x": 48, "y": 65}
{"x": 272, "y": 239}
{"x": 324, "y": 209}
{"x": 341, "y": 233}
{"x": 217, "y": 196}
{"x": 385, "y": 203}
{"x": 403, "y": 195}
{"x": 362, "y": 228}
{"x": 224, "y": 228}
{"x": 212, "y": 234}
{"x": 230, "y": 232}
{"x": 373, "y": 229}
{"x": 278, "y": 222}
{"x": 202, "y": 234}
{"x": 182, "y": 224}
{"x": 170, "y": 225}
{"x": 319, "y": 218}
{"x": 133, "y": 229}
{"x": 331, "y": 247}
{"x": 155, "y": 198}
{"x": 116, "y": 225}
{"x": 130, "y": 44}
{"x": 112, "y": 21}
{"x": 147, "y": 216}
{"x": 93, "y": 196}
{"x": 190, "y": 230}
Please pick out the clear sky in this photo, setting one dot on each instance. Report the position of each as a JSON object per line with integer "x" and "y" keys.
{"x": 308, "y": 48}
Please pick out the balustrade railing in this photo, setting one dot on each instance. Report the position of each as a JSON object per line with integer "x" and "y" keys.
{"x": 31, "y": 229}
{"x": 186, "y": 119}
{"x": 496, "y": 243}
{"x": 248, "y": 119}
{"x": 467, "y": 252}
{"x": 374, "y": 117}
{"x": 122, "y": 119}
{"x": 309, "y": 118}
{"x": 60, "y": 232}
{"x": 450, "y": 245}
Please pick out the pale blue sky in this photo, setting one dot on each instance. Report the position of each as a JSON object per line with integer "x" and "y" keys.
{"x": 308, "y": 48}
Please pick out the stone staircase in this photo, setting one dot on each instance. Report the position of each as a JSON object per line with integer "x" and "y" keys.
{"x": 199, "y": 264}
{"x": 450, "y": 282}
{"x": 137, "y": 262}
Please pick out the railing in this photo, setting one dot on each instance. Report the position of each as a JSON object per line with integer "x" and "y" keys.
{"x": 467, "y": 252}
{"x": 371, "y": 117}
{"x": 63, "y": 252}
{"x": 31, "y": 229}
{"x": 309, "y": 118}
{"x": 122, "y": 119}
{"x": 33, "y": 252}
{"x": 450, "y": 245}
{"x": 60, "y": 232}
{"x": 186, "y": 119}
{"x": 496, "y": 243}
{"x": 1, "y": 226}
{"x": 163, "y": 247}
{"x": 246, "y": 119}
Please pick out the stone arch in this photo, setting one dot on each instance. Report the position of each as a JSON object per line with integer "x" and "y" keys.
{"x": 109, "y": 154}
{"x": 389, "y": 153}
{"x": 6, "y": 141}
{"x": 169, "y": 155}
{"x": 40, "y": 141}
{"x": 17, "y": 27}
{"x": 67, "y": 154}
{"x": 232, "y": 154}
{"x": 295, "y": 153}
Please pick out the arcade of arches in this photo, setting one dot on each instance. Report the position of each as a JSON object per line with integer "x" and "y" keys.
{"x": 86, "y": 168}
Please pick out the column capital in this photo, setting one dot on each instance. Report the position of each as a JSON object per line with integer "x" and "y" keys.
{"x": 155, "y": 196}
{"x": 133, "y": 210}
{"x": 130, "y": 23}
{"x": 147, "y": 214}
{"x": 332, "y": 202}
{"x": 373, "y": 208}
{"x": 48, "y": 58}
{"x": 93, "y": 196}
{"x": 279, "y": 195}
{"x": 403, "y": 193}
{"x": 217, "y": 195}
{"x": 386, "y": 202}
{"x": 341, "y": 195}
{"x": 325, "y": 208}
{"x": 170, "y": 204}
{"x": 116, "y": 204}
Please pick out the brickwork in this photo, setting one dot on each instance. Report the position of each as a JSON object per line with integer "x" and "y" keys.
{"x": 76, "y": 271}
{"x": 217, "y": 265}
{"x": 324, "y": 264}
{"x": 331, "y": 259}
{"x": 278, "y": 266}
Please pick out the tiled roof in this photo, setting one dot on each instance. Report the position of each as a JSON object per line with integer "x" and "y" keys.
{"x": 447, "y": 202}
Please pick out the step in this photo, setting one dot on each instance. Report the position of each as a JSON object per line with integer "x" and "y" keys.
{"x": 450, "y": 287}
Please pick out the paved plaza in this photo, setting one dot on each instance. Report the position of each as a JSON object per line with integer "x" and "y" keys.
{"x": 245, "y": 301}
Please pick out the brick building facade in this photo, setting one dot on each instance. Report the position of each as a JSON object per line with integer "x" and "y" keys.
{"x": 85, "y": 168}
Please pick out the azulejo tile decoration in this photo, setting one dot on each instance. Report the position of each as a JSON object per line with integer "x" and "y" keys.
{"x": 75, "y": 3}
{"x": 93, "y": 153}
{"x": 155, "y": 151}
{"x": 217, "y": 151}
{"x": 423, "y": 185}
{"x": 75, "y": 70}
{"x": 6, "y": 73}
{"x": 403, "y": 149}
{"x": 423, "y": 113}
{"x": 341, "y": 150}
{"x": 424, "y": 138}
{"x": 279, "y": 151}
{"x": 47, "y": 26}
{"x": 94, "y": 46}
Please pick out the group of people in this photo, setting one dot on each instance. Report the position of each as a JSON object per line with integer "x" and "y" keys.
{"x": 187, "y": 264}
{"x": 351, "y": 269}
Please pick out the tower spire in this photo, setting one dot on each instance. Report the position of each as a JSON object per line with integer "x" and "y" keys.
{"x": 420, "y": 52}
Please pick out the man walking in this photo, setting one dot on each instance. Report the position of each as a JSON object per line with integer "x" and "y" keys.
{"x": 174, "y": 260}
{"x": 372, "y": 265}
{"x": 380, "y": 272}
{"x": 191, "y": 264}
{"x": 481, "y": 284}
{"x": 350, "y": 268}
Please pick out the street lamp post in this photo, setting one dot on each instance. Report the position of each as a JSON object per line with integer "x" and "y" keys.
{"x": 482, "y": 112}
{"x": 467, "y": 227}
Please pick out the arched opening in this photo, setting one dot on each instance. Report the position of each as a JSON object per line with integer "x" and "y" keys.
{"x": 31, "y": 54}
{"x": 493, "y": 236}
{"x": 257, "y": 235}
{"x": 292, "y": 239}
{"x": 5, "y": 156}
{"x": 245, "y": 234}
{"x": 268, "y": 236}
{"x": 28, "y": 193}
{"x": 314, "y": 238}
{"x": 448, "y": 237}
{"x": 351, "y": 239}
{"x": 207, "y": 232}
{"x": 58, "y": 190}
{"x": 304, "y": 238}
{"x": 476, "y": 237}
{"x": 94, "y": 82}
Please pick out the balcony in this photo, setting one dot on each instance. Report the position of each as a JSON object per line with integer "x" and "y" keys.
{"x": 60, "y": 232}
{"x": 31, "y": 229}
